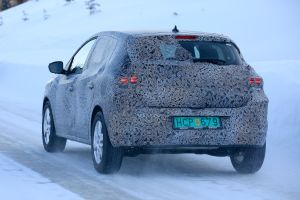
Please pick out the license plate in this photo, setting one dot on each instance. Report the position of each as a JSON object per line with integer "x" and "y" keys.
{"x": 196, "y": 122}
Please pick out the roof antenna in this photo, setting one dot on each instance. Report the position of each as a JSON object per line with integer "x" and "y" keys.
{"x": 175, "y": 30}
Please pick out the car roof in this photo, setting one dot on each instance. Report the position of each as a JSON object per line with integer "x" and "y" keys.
{"x": 212, "y": 36}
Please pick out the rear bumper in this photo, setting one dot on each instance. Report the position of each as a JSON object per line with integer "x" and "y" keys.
{"x": 153, "y": 126}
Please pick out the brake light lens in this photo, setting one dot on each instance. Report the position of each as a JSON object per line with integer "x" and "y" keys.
{"x": 255, "y": 81}
{"x": 258, "y": 80}
{"x": 251, "y": 81}
{"x": 124, "y": 80}
{"x": 133, "y": 79}
{"x": 186, "y": 37}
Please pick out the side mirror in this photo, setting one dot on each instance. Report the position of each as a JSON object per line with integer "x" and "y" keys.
{"x": 56, "y": 67}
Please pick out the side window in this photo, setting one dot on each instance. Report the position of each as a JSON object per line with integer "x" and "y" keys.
{"x": 80, "y": 58}
{"x": 102, "y": 52}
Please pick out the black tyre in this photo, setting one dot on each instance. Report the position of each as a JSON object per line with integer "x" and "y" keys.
{"x": 106, "y": 158}
{"x": 51, "y": 142}
{"x": 249, "y": 159}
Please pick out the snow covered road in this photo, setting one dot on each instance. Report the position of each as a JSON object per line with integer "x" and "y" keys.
{"x": 19, "y": 182}
{"x": 21, "y": 142}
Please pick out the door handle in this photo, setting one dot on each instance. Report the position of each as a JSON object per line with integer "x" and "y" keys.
{"x": 90, "y": 85}
{"x": 71, "y": 88}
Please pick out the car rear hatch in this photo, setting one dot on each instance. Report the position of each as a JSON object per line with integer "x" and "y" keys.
{"x": 178, "y": 78}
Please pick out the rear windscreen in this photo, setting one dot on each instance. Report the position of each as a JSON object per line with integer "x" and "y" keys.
{"x": 156, "y": 48}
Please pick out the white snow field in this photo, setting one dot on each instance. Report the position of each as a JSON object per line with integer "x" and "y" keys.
{"x": 267, "y": 33}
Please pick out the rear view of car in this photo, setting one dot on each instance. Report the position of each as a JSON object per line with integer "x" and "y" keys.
{"x": 136, "y": 93}
{"x": 192, "y": 93}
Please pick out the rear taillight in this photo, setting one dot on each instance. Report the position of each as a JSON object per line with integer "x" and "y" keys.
{"x": 132, "y": 79}
{"x": 255, "y": 81}
{"x": 251, "y": 81}
{"x": 124, "y": 80}
{"x": 258, "y": 80}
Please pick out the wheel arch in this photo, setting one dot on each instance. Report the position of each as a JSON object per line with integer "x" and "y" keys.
{"x": 46, "y": 99}
{"x": 96, "y": 109}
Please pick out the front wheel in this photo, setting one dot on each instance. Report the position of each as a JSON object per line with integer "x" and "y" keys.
{"x": 51, "y": 142}
{"x": 248, "y": 160}
{"x": 106, "y": 158}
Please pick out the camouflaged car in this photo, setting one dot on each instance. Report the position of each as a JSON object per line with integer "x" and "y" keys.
{"x": 163, "y": 92}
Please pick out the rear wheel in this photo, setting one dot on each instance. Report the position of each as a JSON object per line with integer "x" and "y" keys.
{"x": 106, "y": 158}
{"x": 249, "y": 159}
{"x": 51, "y": 142}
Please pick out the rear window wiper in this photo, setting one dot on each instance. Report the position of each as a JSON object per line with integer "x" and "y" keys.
{"x": 210, "y": 60}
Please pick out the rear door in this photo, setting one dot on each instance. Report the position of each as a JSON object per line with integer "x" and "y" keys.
{"x": 66, "y": 91}
{"x": 89, "y": 80}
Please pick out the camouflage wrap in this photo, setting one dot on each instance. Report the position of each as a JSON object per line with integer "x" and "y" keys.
{"x": 141, "y": 114}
